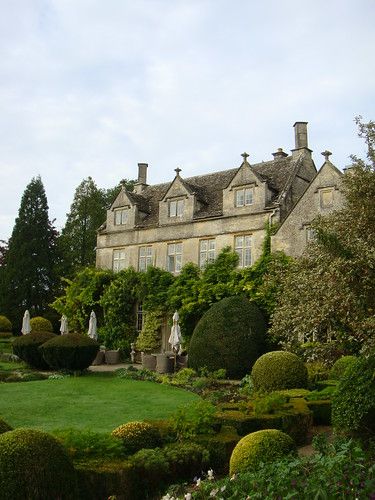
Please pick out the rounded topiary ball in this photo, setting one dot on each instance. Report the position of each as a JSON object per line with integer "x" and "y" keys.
{"x": 39, "y": 324}
{"x": 34, "y": 465}
{"x": 353, "y": 405}
{"x": 73, "y": 351}
{"x": 4, "y": 426}
{"x": 261, "y": 446}
{"x": 27, "y": 348}
{"x": 5, "y": 325}
{"x": 340, "y": 366}
{"x": 230, "y": 335}
{"x": 137, "y": 435}
{"x": 278, "y": 370}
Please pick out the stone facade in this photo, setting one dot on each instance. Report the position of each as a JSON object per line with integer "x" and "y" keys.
{"x": 193, "y": 219}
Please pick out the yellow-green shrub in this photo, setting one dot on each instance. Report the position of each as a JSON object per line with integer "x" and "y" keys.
{"x": 39, "y": 324}
{"x": 340, "y": 366}
{"x": 260, "y": 447}
{"x": 279, "y": 370}
{"x": 34, "y": 465}
{"x": 5, "y": 325}
{"x": 137, "y": 435}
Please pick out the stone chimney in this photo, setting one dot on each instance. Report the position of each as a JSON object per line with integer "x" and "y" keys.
{"x": 300, "y": 134}
{"x": 280, "y": 154}
{"x": 141, "y": 183}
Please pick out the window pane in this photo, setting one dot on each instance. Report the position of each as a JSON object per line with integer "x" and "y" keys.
{"x": 171, "y": 263}
{"x": 172, "y": 209}
{"x": 239, "y": 242}
{"x": 247, "y": 241}
{"x": 178, "y": 263}
{"x": 124, "y": 216}
{"x": 180, "y": 207}
{"x": 240, "y": 262}
{"x": 117, "y": 217}
{"x": 247, "y": 257}
{"x": 239, "y": 198}
{"x": 171, "y": 249}
{"x": 142, "y": 251}
{"x": 203, "y": 244}
{"x": 178, "y": 248}
{"x": 248, "y": 196}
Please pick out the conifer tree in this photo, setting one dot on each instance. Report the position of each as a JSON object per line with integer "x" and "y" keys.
{"x": 28, "y": 274}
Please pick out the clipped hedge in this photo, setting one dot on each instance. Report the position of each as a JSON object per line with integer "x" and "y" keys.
{"x": 137, "y": 435}
{"x": 27, "y": 346}
{"x": 5, "y": 325}
{"x": 73, "y": 351}
{"x": 230, "y": 335}
{"x": 40, "y": 324}
{"x": 353, "y": 405}
{"x": 340, "y": 366}
{"x": 260, "y": 447}
{"x": 278, "y": 370}
{"x": 4, "y": 426}
{"x": 34, "y": 465}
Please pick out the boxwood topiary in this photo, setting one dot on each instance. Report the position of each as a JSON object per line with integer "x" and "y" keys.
{"x": 353, "y": 405}
{"x": 230, "y": 335}
{"x": 260, "y": 447}
{"x": 34, "y": 465}
{"x": 39, "y": 324}
{"x": 137, "y": 435}
{"x": 27, "y": 348}
{"x": 338, "y": 369}
{"x": 73, "y": 351}
{"x": 279, "y": 370}
{"x": 4, "y": 426}
{"x": 5, "y": 325}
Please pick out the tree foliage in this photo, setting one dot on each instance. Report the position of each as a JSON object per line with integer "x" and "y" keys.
{"x": 329, "y": 293}
{"x": 28, "y": 271}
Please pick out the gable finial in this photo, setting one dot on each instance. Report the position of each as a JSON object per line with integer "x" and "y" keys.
{"x": 245, "y": 156}
{"x": 177, "y": 170}
{"x": 326, "y": 154}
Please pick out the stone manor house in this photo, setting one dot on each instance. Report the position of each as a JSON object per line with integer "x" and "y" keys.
{"x": 192, "y": 219}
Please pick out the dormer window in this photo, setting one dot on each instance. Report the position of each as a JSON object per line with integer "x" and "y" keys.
{"x": 121, "y": 216}
{"x": 176, "y": 208}
{"x": 244, "y": 197}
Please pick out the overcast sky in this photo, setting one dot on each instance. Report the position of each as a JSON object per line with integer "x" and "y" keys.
{"x": 92, "y": 87}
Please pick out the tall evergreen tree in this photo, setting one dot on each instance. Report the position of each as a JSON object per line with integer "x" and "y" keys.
{"x": 28, "y": 269}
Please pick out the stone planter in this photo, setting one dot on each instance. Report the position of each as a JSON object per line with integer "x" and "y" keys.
{"x": 112, "y": 357}
{"x": 164, "y": 363}
{"x": 99, "y": 358}
{"x": 149, "y": 361}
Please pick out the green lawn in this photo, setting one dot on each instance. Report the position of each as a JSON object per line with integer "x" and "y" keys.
{"x": 99, "y": 402}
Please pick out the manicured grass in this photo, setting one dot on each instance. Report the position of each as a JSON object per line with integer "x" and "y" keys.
{"x": 99, "y": 402}
{"x": 11, "y": 365}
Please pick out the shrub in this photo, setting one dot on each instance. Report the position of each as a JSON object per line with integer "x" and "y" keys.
{"x": 26, "y": 347}
{"x": 353, "y": 405}
{"x": 279, "y": 370}
{"x": 4, "y": 426}
{"x": 260, "y": 447}
{"x": 5, "y": 324}
{"x": 39, "y": 324}
{"x": 73, "y": 351}
{"x": 84, "y": 444}
{"x": 186, "y": 460}
{"x": 34, "y": 465}
{"x": 137, "y": 435}
{"x": 230, "y": 335}
{"x": 338, "y": 369}
{"x": 193, "y": 419}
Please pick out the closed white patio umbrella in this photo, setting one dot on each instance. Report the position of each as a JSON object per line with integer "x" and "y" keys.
{"x": 93, "y": 326}
{"x": 175, "y": 338}
{"x": 64, "y": 325}
{"x": 26, "y": 328}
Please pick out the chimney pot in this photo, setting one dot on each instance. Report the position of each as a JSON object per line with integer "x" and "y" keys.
{"x": 142, "y": 173}
{"x": 280, "y": 154}
{"x": 300, "y": 133}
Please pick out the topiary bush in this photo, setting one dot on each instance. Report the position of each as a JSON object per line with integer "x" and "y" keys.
{"x": 353, "y": 405}
{"x": 338, "y": 369}
{"x": 5, "y": 325}
{"x": 278, "y": 370}
{"x": 73, "y": 351}
{"x": 34, "y": 465}
{"x": 260, "y": 447}
{"x": 26, "y": 347}
{"x": 230, "y": 335}
{"x": 39, "y": 324}
{"x": 4, "y": 426}
{"x": 137, "y": 435}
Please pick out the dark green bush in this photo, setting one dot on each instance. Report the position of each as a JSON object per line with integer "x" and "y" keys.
{"x": 137, "y": 435}
{"x": 338, "y": 369}
{"x": 4, "y": 427}
{"x": 73, "y": 351}
{"x": 230, "y": 335}
{"x": 185, "y": 460}
{"x": 5, "y": 324}
{"x": 322, "y": 411}
{"x": 39, "y": 324}
{"x": 260, "y": 447}
{"x": 279, "y": 370}
{"x": 27, "y": 346}
{"x": 151, "y": 469}
{"x": 353, "y": 406}
{"x": 35, "y": 466}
